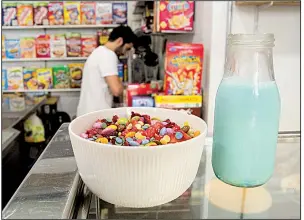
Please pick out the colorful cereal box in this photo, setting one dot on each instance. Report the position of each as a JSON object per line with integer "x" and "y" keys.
{"x": 4, "y": 79}
{"x": 71, "y": 13}
{"x": 176, "y": 15}
{"x": 41, "y": 13}
{"x": 119, "y": 13}
{"x": 183, "y": 69}
{"x": 104, "y": 13}
{"x": 43, "y": 46}
{"x": 28, "y": 47}
{"x": 30, "y": 78}
{"x": 87, "y": 11}
{"x": 14, "y": 78}
{"x": 44, "y": 77}
{"x": 58, "y": 46}
{"x": 9, "y": 14}
{"x": 56, "y": 13}
{"x": 73, "y": 42}
{"x": 25, "y": 14}
{"x": 3, "y": 47}
{"x": 12, "y": 48}
{"x": 61, "y": 78}
{"x": 76, "y": 70}
{"x": 88, "y": 44}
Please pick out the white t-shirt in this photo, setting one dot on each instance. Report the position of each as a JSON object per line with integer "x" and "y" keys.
{"x": 95, "y": 94}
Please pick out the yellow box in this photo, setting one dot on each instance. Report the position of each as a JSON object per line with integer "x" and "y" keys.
{"x": 179, "y": 101}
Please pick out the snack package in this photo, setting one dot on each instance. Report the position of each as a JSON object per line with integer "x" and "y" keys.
{"x": 88, "y": 44}
{"x": 76, "y": 70}
{"x": 120, "y": 13}
{"x": 103, "y": 36}
{"x": 12, "y": 48}
{"x": 43, "y": 46}
{"x": 25, "y": 14}
{"x": 142, "y": 101}
{"x": 176, "y": 15}
{"x": 30, "y": 78}
{"x": 71, "y": 13}
{"x": 14, "y": 78}
{"x": 87, "y": 12}
{"x": 55, "y": 13}
{"x": 34, "y": 129}
{"x": 41, "y": 13}
{"x": 3, "y": 47}
{"x": 58, "y": 46}
{"x": 16, "y": 103}
{"x": 44, "y": 77}
{"x": 9, "y": 14}
{"x": 142, "y": 89}
{"x": 183, "y": 69}
{"x": 61, "y": 78}
{"x": 73, "y": 43}
{"x": 104, "y": 13}
{"x": 28, "y": 47}
{"x": 4, "y": 79}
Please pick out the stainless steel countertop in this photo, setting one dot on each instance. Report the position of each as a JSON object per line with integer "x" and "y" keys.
{"x": 52, "y": 189}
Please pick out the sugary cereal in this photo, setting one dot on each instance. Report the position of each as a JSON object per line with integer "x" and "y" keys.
{"x": 119, "y": 13}
{"x": 43, "y": 46}
{"x": 41, "y": 13}
{"x": 138, "y": 130}
{"x": 61, "y": 77}
{"x": 88, "y": 44}
{"x": 4, "y": 79}
{"x": 25, "y": 14}
{"x": 87, "y": 10}
{"x": 56, "y": 13}
{"x": 44, "y": 77}
{"x": 30, "y": 78}
{"x": 73, "y": 42}
{"x": 9, "y": 14}
{"x": 14, "y": 78}
{"x": 104, "y": 13}
{"x": 58, "y": 46}
{"x": 12, "y": 48}
{"x": 71, "y": 13}
{"x": 28, "y": 47}
{"x": 76, "y": 70}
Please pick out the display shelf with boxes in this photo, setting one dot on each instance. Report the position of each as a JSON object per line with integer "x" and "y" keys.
{"x": 59, "y": 26}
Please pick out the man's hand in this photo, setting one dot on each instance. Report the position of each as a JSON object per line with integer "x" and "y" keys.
{"x": 115, "y": 85}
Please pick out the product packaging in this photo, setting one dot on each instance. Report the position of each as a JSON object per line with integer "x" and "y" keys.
{"x": 143, "y": 89}
{"x": 76, "y": 70}
{"x": 30, "y": 78}
{"x": 14, "y": 78}
{"x": 28, "y": 47}
{"x": 71, "y": 13}
{"x": 3, "y": 47}
{"x": 9, "y": 14}
{"x": 88, "y": 44}
{"x": 176, "y": 16}
{"x": 120, "y": 13}
{"x": 142, "y": 101}
{"x": 41, "y": 13}
{"x": 12, "y": 48}
{"x": 87, "y": 12}
{"x": 25, "y": 14}
{"x": 73, "y": 41}
{"x": 58, "y": 46}
{"x": 44, "y": 77}
{"x": 16, "y": 103}
{"x": 104, "y": 13}
{"x": 61, "y": 77}
{"x": 43, "y": 46}
{"x": 56, "y": 13}
{"x": 183, "y": 68}
{"x": 4, "y": 79}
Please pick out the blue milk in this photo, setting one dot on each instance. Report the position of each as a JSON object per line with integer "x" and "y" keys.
{"x": 245, "y": 132}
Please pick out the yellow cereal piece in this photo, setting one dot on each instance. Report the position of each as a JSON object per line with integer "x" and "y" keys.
{"x": 141, "y": 123}
{"x": 197, "y": 133}
{"x": 136, "y": 118}
{"x": 167, "y": 138}
{"x": 130, "y": 134}
{"x": 139, "y": 136}
{"x": 102, "y": 140}
{"x": 162, "y": 141}
{"x": 154, "y": 118}
{"x": 114, "y": 127}
{"x": 151, "y": 144}
{"x": 129, "y": 127}
{"x": 186, "y": 123}
{"x": 138, "y": 126}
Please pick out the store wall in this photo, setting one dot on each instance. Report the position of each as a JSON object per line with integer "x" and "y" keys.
{"x": 284, "y": 22}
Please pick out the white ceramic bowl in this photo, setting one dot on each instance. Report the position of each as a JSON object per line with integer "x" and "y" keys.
{"x": 137, "y": 176}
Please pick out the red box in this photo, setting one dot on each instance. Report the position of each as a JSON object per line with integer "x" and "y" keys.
{"x": 140, "y": 89}
{"x": 183, "y": 68}
{"x": 176, "y": 16}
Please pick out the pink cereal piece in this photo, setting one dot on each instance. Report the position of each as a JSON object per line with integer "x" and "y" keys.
{"x": 153, "y": 122}
{"x": 170, "y": 131}
{"x": 84, "y": 135}
{"x": 97, "y": 125}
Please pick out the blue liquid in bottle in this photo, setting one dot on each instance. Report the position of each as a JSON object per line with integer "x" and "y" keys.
{"x": 245, "y": 131}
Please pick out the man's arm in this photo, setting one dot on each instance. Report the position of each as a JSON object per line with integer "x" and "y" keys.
{"x": 114, "y": 84}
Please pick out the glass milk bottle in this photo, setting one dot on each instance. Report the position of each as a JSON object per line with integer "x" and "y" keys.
{"x": 247, "y": 112}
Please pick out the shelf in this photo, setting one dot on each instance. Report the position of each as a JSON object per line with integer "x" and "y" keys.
{"x": 256, "y": 3}
{"x": 59, "y": 26}
{"x": 42, "y": 90}
{"x": 43, "y": 59}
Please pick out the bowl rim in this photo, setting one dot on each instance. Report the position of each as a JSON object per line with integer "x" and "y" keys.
{"x": 141, "y": 146}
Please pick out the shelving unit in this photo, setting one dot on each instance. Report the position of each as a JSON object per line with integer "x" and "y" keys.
{"x": 257, "y": 3}
{"x": 44, "y": 59}
{"x": 58, "y": 26}
{"x": 42, "y": 90}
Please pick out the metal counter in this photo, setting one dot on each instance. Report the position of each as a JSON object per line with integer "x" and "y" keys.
{"x": 53, "y": 189}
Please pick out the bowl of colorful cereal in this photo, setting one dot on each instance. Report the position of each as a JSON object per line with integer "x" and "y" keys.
{"x": 138, "y": 157}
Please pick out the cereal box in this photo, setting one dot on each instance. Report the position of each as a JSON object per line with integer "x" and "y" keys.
{"x": 71, "y": 13}
{"x": 4, "y": 79}
{"x": 58, "y": 46}
{"x": 87, "y": 12}
{"x": 14, "y": 78}
{"x": 12, "y": 48}
{"x": 30, "y": 78}
{"x": 25, "y": 14}
{"x": 44, "y": 77}
{"x": 55, "y": 13}
{"x": 73, "y": 41}
{"x": 176, "y": 15}
{"x": 76, "y": 70}
{"x": 41, "y": 13}
{"x": 43, "y": 46}
{"x": 183, "y": 68}
{"x": 88, "y": 44}
{"x": 3, "y": 47}
{"x": 9, "y": 14}
{"x": 142, "y": 101}
{"x": 104, "y": 13}
{"x": 28, "y": 47}
{"x": 61, "y": 78}
{"x": 16, "y": 103}
{"x": 119, "y": 13}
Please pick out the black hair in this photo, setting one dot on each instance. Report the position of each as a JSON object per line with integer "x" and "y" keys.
{"x": 125, "y": 32}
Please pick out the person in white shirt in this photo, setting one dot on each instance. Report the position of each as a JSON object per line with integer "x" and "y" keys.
{"x": 100, "y": 81}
